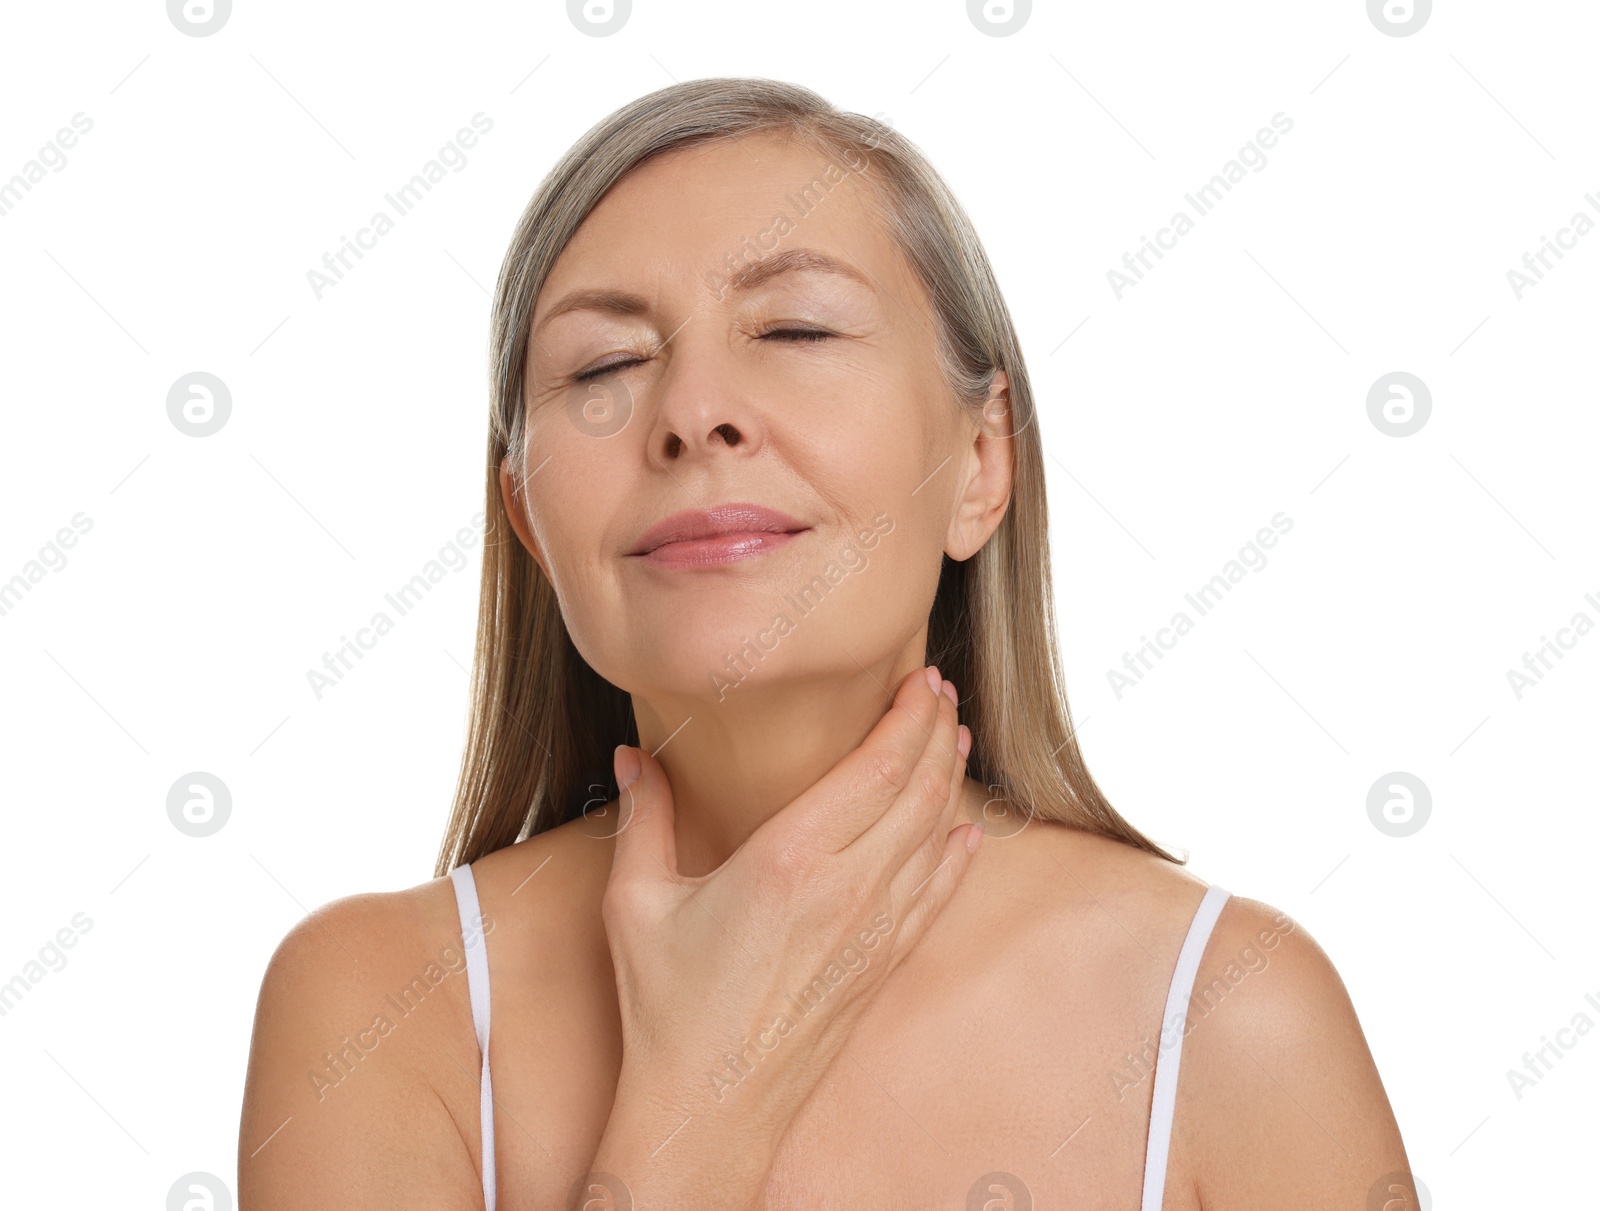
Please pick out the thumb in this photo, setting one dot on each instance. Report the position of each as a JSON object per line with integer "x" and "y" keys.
{"x": 646, "y": 846}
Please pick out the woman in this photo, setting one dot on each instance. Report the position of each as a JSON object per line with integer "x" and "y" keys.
{"x": 762, "y": 462}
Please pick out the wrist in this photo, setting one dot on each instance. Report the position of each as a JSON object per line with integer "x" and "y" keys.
{"x": 670, "y": 1151}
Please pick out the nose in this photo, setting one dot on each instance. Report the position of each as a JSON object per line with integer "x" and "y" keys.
{"x": 700, "y": 408}
{"x": 673, "y": 444}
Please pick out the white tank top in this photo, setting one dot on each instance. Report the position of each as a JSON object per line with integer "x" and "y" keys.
{"x": 1163, "y": 1099}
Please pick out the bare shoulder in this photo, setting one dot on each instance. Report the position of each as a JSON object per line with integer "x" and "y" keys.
{"x": 1279, "y": 1101}
{"x": 551, "y": 883}
{"x": 1305, "y": 991}
{"x": 359, "y": 1014}
{"x": 1274, "y": 1053}
{"x": 541, "y": 898}
{"x": 1092, "y": 894}
{"x": 364, "y": 1045}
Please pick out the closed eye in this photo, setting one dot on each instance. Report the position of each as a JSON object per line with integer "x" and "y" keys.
{"x": 797, "y": 334}
{"x": 608, "y": 368}
{"x": 783, "y": 334}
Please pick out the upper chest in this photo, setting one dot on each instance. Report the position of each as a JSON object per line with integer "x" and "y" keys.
{"x": 1011, "y": 1076}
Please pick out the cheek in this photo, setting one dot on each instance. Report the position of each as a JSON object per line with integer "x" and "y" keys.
{"x": 569, "y": 523}
{"x": 574, "y": 489}
{"x": 890, "y": 510}
{"x": 867, "y": 421}
{"x": 882, "y": 461}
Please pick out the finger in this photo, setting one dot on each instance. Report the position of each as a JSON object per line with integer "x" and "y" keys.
{"x": 646, "y": 848}
{"x": 956, "y": 809}
{"x": 909, "y": 821}
{"x": 925, "y": 901}
{"x": 851, "y": 796}
{"x": 928, "y": 852}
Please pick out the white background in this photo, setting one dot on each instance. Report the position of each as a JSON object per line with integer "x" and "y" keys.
{"x": 1230, "y": 384}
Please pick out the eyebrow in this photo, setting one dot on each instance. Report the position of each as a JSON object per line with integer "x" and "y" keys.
{"x": 748, "y": 277}
{"x": 790, "y": 261}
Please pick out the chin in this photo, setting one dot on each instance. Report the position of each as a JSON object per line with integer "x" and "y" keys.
{"x": 705, "y": 659}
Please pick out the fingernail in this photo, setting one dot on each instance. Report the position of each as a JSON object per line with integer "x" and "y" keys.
{"x": 974, "y": 838}
{"x": 625, "y": 759}
{"x": 933, "y": 677}
{"x": 963, "y": 740}
{"x": 949, "y": 690}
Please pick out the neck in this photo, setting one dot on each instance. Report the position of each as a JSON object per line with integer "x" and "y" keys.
{"x": 735, "y": 763}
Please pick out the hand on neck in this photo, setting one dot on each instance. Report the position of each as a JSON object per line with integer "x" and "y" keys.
{"x": 736, "y": 762}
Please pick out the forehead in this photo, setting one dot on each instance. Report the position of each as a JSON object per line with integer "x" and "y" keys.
{"x": 696, "y": 214}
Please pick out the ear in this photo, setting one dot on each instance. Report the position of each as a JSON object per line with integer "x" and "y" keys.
{"x": 512, "y": 496}
{"x": 990, "y": 466}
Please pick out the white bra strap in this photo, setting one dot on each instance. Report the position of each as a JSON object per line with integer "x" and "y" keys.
{"x": 477, "y": 956}
{"x": 1165, "y": 1097}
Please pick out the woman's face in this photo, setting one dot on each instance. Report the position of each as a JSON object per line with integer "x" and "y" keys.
{"x": 732, "y": 326}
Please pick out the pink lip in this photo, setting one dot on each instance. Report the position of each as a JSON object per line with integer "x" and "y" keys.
{"x": 723, "y": 534}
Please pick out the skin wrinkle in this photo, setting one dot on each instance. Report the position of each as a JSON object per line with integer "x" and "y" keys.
{"x": 836, "y": 431}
